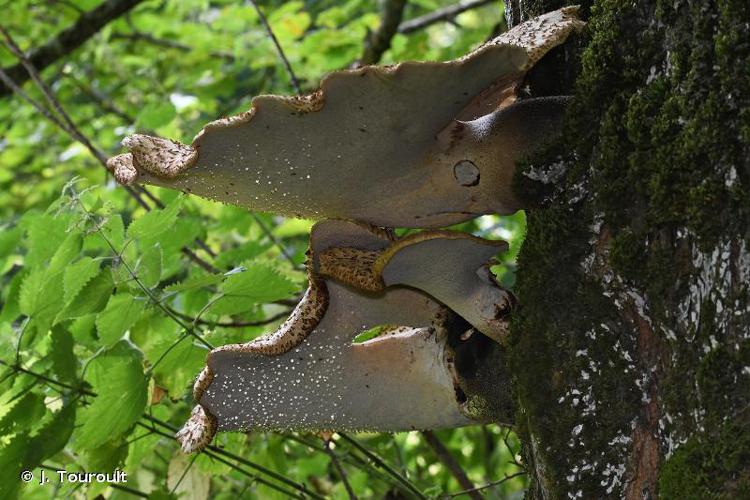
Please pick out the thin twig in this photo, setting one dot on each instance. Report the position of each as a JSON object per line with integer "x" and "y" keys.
{"x": 272, "y": 36}
{"x": 486, "y": 486}
{"x": 445, "y": 14}
{"x": 378, "y": 41}
{"x": 243, "y": 461}
{"x": 273, "y": 239}
{"x": 232, "y": 324}
{"x": 444, "y": 455}
{"x": 381, "y": 463}
{"x": 339, "y": 469}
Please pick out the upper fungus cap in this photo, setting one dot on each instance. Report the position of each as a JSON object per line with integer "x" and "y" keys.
{"x": 418, "y": 144}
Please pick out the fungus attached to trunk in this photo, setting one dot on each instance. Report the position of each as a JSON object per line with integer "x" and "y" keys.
{"x": 418, "y": 144}
{"x": 311, "y": 375}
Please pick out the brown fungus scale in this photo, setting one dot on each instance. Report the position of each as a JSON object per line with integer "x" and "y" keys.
{"x": 375, "y": 144}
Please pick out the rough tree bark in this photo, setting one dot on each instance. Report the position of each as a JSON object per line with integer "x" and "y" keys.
{"x": 631, "y": 352}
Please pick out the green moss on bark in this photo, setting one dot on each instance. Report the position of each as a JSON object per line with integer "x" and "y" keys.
{"x": 634, "y": 274}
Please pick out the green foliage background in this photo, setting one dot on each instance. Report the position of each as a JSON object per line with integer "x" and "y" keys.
{"x": 104, "y": 321}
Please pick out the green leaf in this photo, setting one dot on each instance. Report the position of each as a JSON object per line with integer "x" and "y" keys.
{"x": 122, "y": 393}
{"x": 259, "y": 283}
{"x": 64, "y": 362}
{"x": 12, "y": 462}
{"x": 122, "y": 312}
{"x": 156, "y": 115}
{"x": 149, "y": 266}
{"x": 52, "y": 436}
{"x": 21, "y": 413}
{"x": 41, "y": 297}
{"x": 9, "y": 239}
{"x": 66, "y": 253}
{"x": 185, "y": 480}
{"x": 92, "y": 297}
{"x": 77, "y": 275}
{"x": 176, "y": 371}
{"x": 155, "y": 222}
{"x": 45, "y": 235}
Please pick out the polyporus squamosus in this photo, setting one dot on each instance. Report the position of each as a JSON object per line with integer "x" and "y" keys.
{"x": 419, "y": 372}
{"x": 418, "y": 144}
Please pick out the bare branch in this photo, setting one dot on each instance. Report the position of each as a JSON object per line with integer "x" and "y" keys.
{"x": 272, "y": 36}
{"x": 486, "y": 486}
{"x": 86, "y": 26}
{"x": 379, "y": 41}
{"x": 340, "y": 470}
{"x": 444, "y": 14}
{"x": 444, "y": 455}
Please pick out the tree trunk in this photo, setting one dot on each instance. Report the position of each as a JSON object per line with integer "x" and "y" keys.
{"x": 631, "y": 352}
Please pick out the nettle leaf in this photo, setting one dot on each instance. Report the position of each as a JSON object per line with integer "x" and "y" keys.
{"x": 259, "y": 283}
{"x": 12, "y": 462}
{"x": 21, "y": 413}
{"x": 77, "y": 275}
{"x": 92, "y": 297}
{"x": 122, "y": 312}
{"x": 45, "y": 234}
{"x": 185, "y": 480}
{"x": 176, "y": 370}
{"x": 149, "y": 266}
{"x": 52, "y": 436}
{"x": 155, "y": 222}
{"x": 41, "y": 297}
{"x": 122, "y": 393}
{"x": 9, "y": 239}
{"x": 68, "y": 250}
{"x": 11, "y": 308}
{"x": 64, "y": 362}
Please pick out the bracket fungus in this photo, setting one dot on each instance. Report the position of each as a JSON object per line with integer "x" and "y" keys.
{"x": 417, "y": 144}
{"x": 310, "y": 375}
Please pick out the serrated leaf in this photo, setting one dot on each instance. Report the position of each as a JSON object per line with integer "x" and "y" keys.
{"x": 176, "y": 371}
{"x": 11, "y": 308}
{"x": 52, "y": 436}
{"x": 41, "y": 297}
{"x": 21, "y": 413}
{"x": 259, "y": 283}
{"x": 186, "y": 480}
{"x": 122, "y": 393}
{"x": 45, "y": 235}
{"x": 149, "y": 266}
{"x": 64, "y": 362}
{"x": 77, "y": 275}
{"x": 66, "y": 252}
{"x": 12, "y": 462}
{"x": 9, "y": 239}
{"x": 122, "y": 312}
{"x": 92, "y": 297}
{"x": 155, "y": 222}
